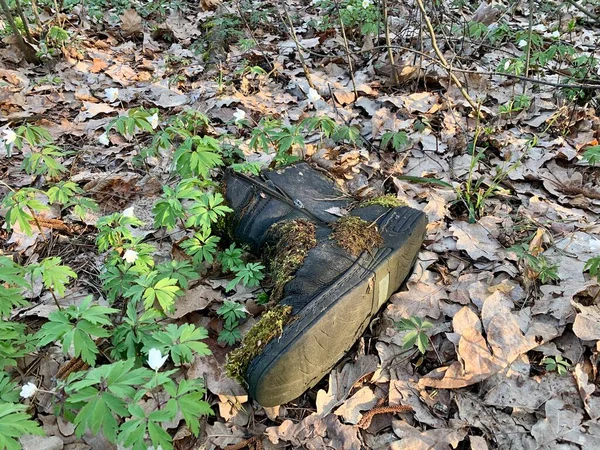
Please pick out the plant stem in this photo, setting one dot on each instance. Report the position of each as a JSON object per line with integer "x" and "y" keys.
{"x": 348, "y": 53}
{"x": 27, "y": 50}
{"x": 23, "y": 19}
{"x": 300, "y": 55}
{"x": 443, "y": 61}
{"x": 388, "y": 43}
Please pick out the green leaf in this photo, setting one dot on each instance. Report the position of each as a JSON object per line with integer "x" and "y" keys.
{"x": 593, "y": 266}
{"x": 189, "y": 399}
{"x": 592, "y": 154}
{"x": 77, "y": 325}
{"x": 250, "y": 275}
{"x": 183, "y": 342}
{"x": 14, "y": 423}
{"x": 423, "y": 180}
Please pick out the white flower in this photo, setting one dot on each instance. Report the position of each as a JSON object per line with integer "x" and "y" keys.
{"x": 103, "y": 139}
{"x": 130, "y": 256}
{"x": 239, "y": 115}
{"x": 153, "y": 120}
{"x": 9, "y": 136}
{"x": 366, "y": 4}
{"x": 555, "y": 34}
{"x": 28, "y": 390}
{"x": 507, "y": 64}
{"x": 522, "y": 43}
{"x": 539, "y": 28}
{"x": 129, "y": 212}
{"x": 313, "y": 95}
{"x": 156, "y": 359}
{"x": 111, "y": 94}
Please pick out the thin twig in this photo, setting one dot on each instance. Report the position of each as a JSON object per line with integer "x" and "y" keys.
{"x": 475, "y": 72}
{"x": 347, "y": 47}
{"x": 529, "y": 33}
{"x": 443, "y": 61}
{"x": 388, "y": 42}
{"x": 298, "y": 47}
{"x": 24, "y": 20}
{"x": 583, "y": 10}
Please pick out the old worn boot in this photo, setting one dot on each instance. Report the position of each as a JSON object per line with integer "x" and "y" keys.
{"x": 331, "y": 280}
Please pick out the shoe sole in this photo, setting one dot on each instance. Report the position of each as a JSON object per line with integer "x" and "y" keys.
{"x": 323, "y": 332}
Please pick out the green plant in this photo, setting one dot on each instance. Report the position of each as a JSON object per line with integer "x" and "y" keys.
{"x": 182, "y": 342}
{"x": 14, "y": 423}
{"x": 250, "y": 275}
{"x": 136, "y": 120}
{"x": 592, "y": 154}
{"x": 21, "y": 208}
{"x": 539, "y": 265}
{"x": 473, "y": 192}
{"x": 231, "y": 313}
{"x": 557, "y": 363}
{"x": 399, "y": 140}
{"x": 519, "y": 103}
{"x": 231, "y": 258}
{"x": 593, "y": 266}
{"x": 416, "y": 336}
{"x": 360, "y": 16}
{"x": 78, "y": 326}
{"x": 45, "y": 162}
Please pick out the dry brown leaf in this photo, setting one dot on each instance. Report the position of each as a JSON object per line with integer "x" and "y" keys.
{"x": 476, "y": 240}
{"x": 587, "y": 322}
{"x": 315, "y": 432}
{"x": 415, "y": 439}
{"x": 131, "y": 22}
{"x": 195, "y": 299}
{"x": 562, "y": 423}
{"x": 340, "y": 383}
{"x": 586, "y": 389}
{"x": 480, "y": 358}
{"x": 221, "y": 435}
{"x": 362, "y": 400}
{"x": 422, "y": 298}
{"x": 98, "y": 65}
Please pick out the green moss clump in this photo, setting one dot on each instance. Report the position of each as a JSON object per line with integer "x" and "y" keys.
{"x": 387, "y": 200}
{"x": 268, "y": 327}
{"x": 293, "y": 241}
{"x": 356, "y": 235}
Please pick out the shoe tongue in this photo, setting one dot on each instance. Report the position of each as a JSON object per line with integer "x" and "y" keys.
{"x": 309, "y": 190}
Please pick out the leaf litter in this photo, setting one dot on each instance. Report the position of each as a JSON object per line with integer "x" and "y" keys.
{"x": 482, "y": 381}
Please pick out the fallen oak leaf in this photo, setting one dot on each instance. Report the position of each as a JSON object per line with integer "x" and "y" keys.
{"x": 131, "y": 22}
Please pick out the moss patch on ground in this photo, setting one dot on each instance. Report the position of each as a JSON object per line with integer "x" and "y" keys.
{"x": 356, "y": 235}
{"x": 387, "y": 200}
{"x": 293, "y": 241}
{"x": 268, "y": 327}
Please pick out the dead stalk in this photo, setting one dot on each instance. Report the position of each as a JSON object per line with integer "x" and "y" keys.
{"x": 443, "y": 61}
{"x": 298, "y": 47}
{"x": 529, "y": 32}
{"x": 348, "y": 53}
{"x": 388, "y": 42}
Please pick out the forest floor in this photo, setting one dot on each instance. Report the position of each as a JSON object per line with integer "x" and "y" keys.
{"x": 509, "y": 188}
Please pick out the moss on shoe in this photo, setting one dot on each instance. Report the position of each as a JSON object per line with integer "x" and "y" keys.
{"x": 387, "y": 200}
{"x": 294, "y": 239}
{"x": 268, "y": 327}
{"x": 356, "y": 235}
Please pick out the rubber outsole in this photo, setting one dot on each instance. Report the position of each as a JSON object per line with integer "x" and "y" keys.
{"x": 324, "y": 331}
